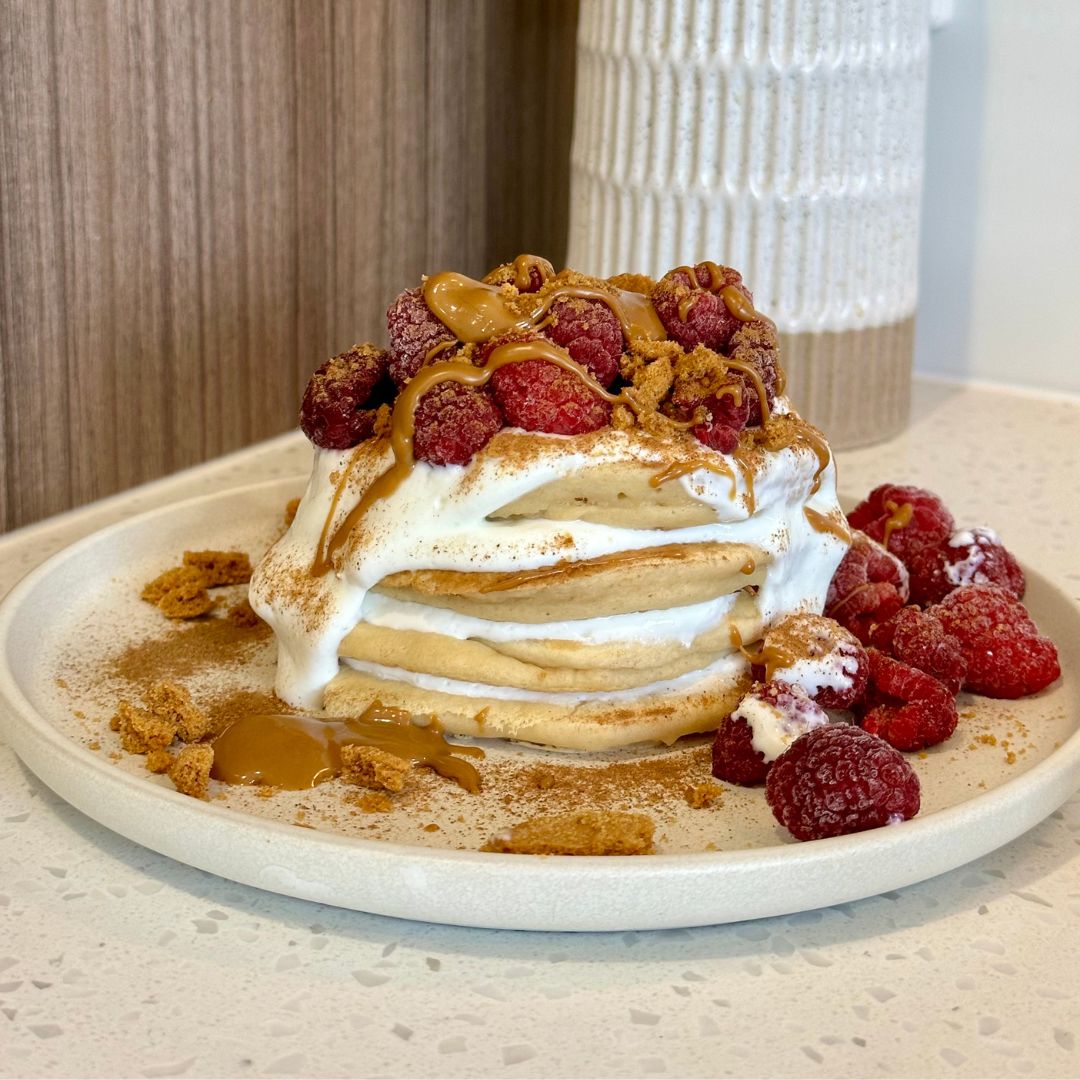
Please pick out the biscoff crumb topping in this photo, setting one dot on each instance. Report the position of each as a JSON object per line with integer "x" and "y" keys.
{"x": 370, "y": 767}
{"x": 588, "y": 832}
{"x": 142, "y": 730}
{"x": 702, "y": 796}
{"x": 242, "y": 615}
{"x": 190, "y": 770}
{"x": 182, "y": 591}
{"x": 170, "y": 702}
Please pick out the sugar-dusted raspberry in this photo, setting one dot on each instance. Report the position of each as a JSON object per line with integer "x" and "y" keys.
{"x": 928, "y": 521}
{"x": 708, "y": 321}
{"x": 414, "y": 330}
{"x": 868, "y": 587}
{"x": 332, "y": 414}
{"x": 725, "y": 416}
{"x": 734, "y": 758}
{"x": 911, "y": 710}
{"x": 918, "y": 638}
{"x": 840, "y": 779}
{"x": 973, "y": 556}
{"x": 589, "y": 331}
{"x": 818, "y": 655}
{"x": 770, "y": 717}
{"x": 453, "y": 422}
{"x": 537, "y": 395}
{"x": 1006, "y": 655}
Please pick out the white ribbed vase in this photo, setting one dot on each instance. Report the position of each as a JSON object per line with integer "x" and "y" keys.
{"x": 781, "y": 137}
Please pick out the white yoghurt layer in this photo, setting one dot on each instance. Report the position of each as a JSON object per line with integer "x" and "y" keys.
{"x": 437, "y": 519}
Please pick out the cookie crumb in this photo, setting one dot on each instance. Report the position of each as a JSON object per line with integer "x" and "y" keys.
{"x": 171, "y": 702}
{"x": 142, "y": 730}
{"x": 588, "y": 832}
{"x": 220, "y": 567}
{"x": 158, "y": 761}
{"x": 370, "y": 767}
{"x": 242, "y": 614}
{"x": 190, "y": 770}
{"x": 700, "y": 796}
{"x": 179, "y": 593}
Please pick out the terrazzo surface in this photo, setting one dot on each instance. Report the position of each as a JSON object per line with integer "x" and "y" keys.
{"x": 115, "y": 961}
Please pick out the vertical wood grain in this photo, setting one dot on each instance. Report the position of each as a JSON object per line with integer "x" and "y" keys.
{"x": 200, "y": 200}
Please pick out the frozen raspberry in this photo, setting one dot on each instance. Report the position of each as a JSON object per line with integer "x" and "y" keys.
{"x": 724, "y": 419}
{"x": 414, "y": 330}
{"x": 538, "y": 270}
{"x": 912, "y": 710}
{"x": 708, "y": 321}
{"x": 969, "y": 557}
{"x": 590, "y": 333}
{"x": 452, "y": 423}
{"x": 840, "y": 779}
{"x": 332, "y": 414}
{"x": 868, "y": 587}
{"x": 918, "y": 639}
{"x": 537, "y": 395}
{"x": 927, "y": 522}
{"x": 734, "y": 758}
{"x": 766, "y": 722}
{"x": 1006, "y": 655}
{"x": 818, "y": 655}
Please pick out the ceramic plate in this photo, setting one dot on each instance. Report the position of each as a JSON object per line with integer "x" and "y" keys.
{"x": 63, "y": 627}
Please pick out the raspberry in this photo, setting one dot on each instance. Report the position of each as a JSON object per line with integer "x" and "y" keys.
{"x": 918, "y": 639}
{"x": 772, "y": 715}
{"x": 820, "y": 656}
{"x": 538, "y": 270}
{"x": 840, "y": 779}
{"x": 537, "y": 395}
{"x": 969, "y": 557}
{"x": 868, "y": 587}
{"x": 1006, "y": 655}
{"x": 452, "y": 422}
{"x": 331, "y": 414}
{"x": 734, "y": 758}
{"x": 724, "y": 419}
{"x": 414, "y": 331}
{"x": 930, "y": 521}
{"x": 708, "y": 321}
{"x": 590, "y": 333}
{"x": 913, "y": 709}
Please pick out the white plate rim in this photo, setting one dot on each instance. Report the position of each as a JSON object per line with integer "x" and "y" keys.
{"x": 617, "y": 893}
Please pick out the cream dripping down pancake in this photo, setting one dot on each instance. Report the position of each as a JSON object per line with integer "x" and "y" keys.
{"x": 583, "y": 591}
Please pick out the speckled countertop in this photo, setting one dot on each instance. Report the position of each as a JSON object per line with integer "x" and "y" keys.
{"x": 115, "y": 961}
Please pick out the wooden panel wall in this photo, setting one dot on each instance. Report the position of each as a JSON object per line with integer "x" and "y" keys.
{"x": 200, "y": 200}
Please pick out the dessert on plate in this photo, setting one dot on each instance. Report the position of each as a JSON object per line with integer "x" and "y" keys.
{"x": 557, "y": 509}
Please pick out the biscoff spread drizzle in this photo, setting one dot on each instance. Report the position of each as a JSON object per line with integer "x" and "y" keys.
{"x": 734, "y": 298}
{"x": 899, "y": 518}
{"x": 476, "y": 312}
{"x": 294, "y": 752}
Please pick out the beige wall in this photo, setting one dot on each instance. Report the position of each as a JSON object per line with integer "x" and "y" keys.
{"x": 202, "y": 199}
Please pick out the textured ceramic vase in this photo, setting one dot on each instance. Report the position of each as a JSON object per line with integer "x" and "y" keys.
{"x": 781, "y": 137}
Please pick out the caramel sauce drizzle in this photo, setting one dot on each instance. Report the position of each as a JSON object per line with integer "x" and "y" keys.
{"x": 899, "y": 518}
{"x": 824, "y": 523}
{"x": 734, "y": 298}
{"x": 523, "y": 267}
{"x": 565, "y": 566}
{"x": 685, "y": 468}
{"x": 296, "y": 752}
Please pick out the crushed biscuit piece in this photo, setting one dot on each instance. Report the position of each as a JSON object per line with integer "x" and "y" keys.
{"x": 190, "y": 770}
{"x": 142, "y": 730}
{"x": 639, "y": 283}
{"x": 699, "y": 796}
{"x": 180, "y": 593}
{"x": 159, "y": 761}
{"x": 370, "y": 767}
{"x": 372, "y": 802}
{"x": 220, "y": 567}
{"x": 242, "y": 614}
{"x": 171, "y": 701}
{"x": 588, "y": 832}
{"x": 290, "y": 510}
